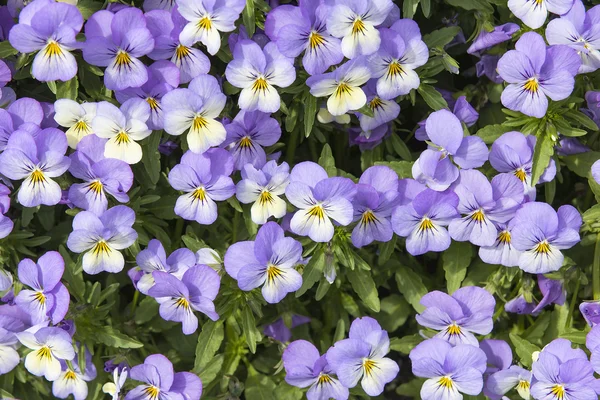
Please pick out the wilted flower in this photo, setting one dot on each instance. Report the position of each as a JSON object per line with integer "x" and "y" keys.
{"x": 305, "y": 367}
{"x": 50, "y": 346}
{"x": 486, "y": 39}
{"x": 268, "y": 261}
{"x": 77, "y": 117}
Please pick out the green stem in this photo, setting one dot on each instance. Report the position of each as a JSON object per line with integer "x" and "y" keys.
{"x": 234, "y": 228}
{"x": 291, "y": 148}
{"x": 596, "y": 270}
{"x": 136, "y": 296}
{"x": 572, "y": 305}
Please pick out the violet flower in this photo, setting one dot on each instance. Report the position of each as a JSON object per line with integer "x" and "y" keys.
{"x": 319, "y": 199}
{"x": 461, "y": 109}
{"x": 540, "y": 233}
{"x": 166, "y": 26}
{"x": 483, "y": 205}
{"x": 161, "y": 382}
{"x": 450, "y": 370}
{"x": 154, "y": 258}
{"x": 499, "y": 354}
{"x": 77, "y": 117}
{"x": 268, "y": 261}
{"x": 302, "y": 28}
{"x": 6, "y": 224}
{"x": 263, "y": 188}
{"x": 361, "y": 357}
{"x": 205, "y": 179}
{"x": 400, "y": 53}
{"x": 591, "y": 312}
{"x": 499, "y": 34}
{"x": 534, "y": 13}
{"x": 50, "y": 29}
{"x": 435, "y": 166}
{"x": 519, "y": 305}
{"x": 596, "y": 171}
{"x": 73, "y": 378}
{"x": 9, "y": 357}
{"x": 553, "y": 292}
{"x": 592, "y": 342}
{"x": 535, "y": 72}
{"x": 503, "y": 381}
{"x": 247, "y": 134}
{"x": 469, "y": 310}
{"x": 502, "y": 251}
{"x": 196, "y": 291}
{"x": 102, "y": 238}
{"x": 50, "y": 346}
{"x": 48, "y": 297}
{"x": 36, "y": 159}
{"x": 305, "y": 367}
{"x": 488, "y": 66}
{"x": 256, "y": 71}
{"x": 384, "y": 111}
{"x": 117, "y": 41}
{"x": 101, "y": 176}
{"x": 422, "y": 221}
{"x": 280, "y": 332}
{"x": 376, "y": 197}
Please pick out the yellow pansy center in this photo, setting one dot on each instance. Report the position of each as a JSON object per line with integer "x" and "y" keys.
{"x": 53, "y": 49}
{"x": 182, "y": 302}
{"x": 70, "y": 375}
{"x": 199, "y": 194}
{"x": 122, "y": 138}
{"x": 342, "y": 89}
{"x": 521, "y": 174}
{"x": 523, "y": 385}
{"x": 478, "y": 216}
{"x": 182, "y": 51}
{"x": 37, "y": 176}
{"x": 358, "y": 26}
{"x": 152, "y": 102}
{"x": 199, "y": 122}
{"x": 504, "y": 237}
{"x": 81, "y": 125}
{"x": 532, "y": 85}
{"x": 446, "y": 382}
{"x": 368, "y": 217}
{"x": 394, "y": 68}
{"x": 542, "y": 247}
{"x": 152, "y": 392}
{"x": 425, "y": 225}
{"x": 273, "y": 272}
{"x": 324, "y": 379}
{"x": 245, "y": 142}
{"x": 204, "y": 23}
{"x": 96, "y": 187}
{"x": 317, "y": 211}
{"x": 558, "y": 391}
{"x": 453, "y": 330}
{"x": 122, "y": 59}
{"x": 265, "y": 197}
{"x": 100, "y": 248}
{"x": 40, "y": 297}
{"x": 315, "y": 40}
{"x": 44, "y": 352}
{"x": 260, "y": 84}
{"x": 376, "y": 103}
{"x": 369, "y": 365}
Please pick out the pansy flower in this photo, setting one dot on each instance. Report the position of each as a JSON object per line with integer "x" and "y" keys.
{"x": 102, "y": 176}
{"x": 541, "y": 233}
{"x": 195, "y": 110}
{"x": 319, "y": 200}
{"x": 9, "y": 357}
{"x": 305, "y": 367}
{"x": 502, "y": 251}
{"x": 469, "y": 310}
{"x": 268, "y": 261}
{"x": 23, "y": 114}
{"x": 102, "y": 238}
{"x": 361, "y": 357}
{"x": 462, "y": 109}
{"x": 247, "y": 134}
{"x": 49, "y": 346}
{"x": 117, "y": 41}
{"x": 279, "y": 331}
{"x": 501, "y": 382}
{"x": 534, "y": 12}
{"x": 384, "y": 111}
{"x": 400, "y": 53}
{"x": 302, "y": 28}
{"x": 36, "y": 159}
{"x": 73, "y": 378}
{"x": 6, "y": 224}
{"x": 535, "y": 72}
{"x": 487, "y": 39}
{"x": 257, "y": 71}
{"x": 114, "y": 388}
{"x": 205, "y": 179}
{"x": 263, "y": 188}
{"x": 76, "y": 117}
{"x": 591, "y": 312}
{"x": 49, "y": 28}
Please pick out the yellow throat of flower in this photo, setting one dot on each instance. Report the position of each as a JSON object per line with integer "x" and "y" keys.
{"x": 37, "y": 176}
{"x": 532, "y": 85}
{"x": 317, "y": 212}
{"x": 446, "y": 382}
{"x": 122, "y": 138}
{"x": 265, "y": 197}
{"x": 152, "y": 392}
{"x": 273, "y": 272}
{"x": 122, "y": 59}
{"x": 358, "y": 26}
{"x": 260, "y": 84}
{"x": 521, "y": 174}
{"x": 152, "y": 102}
{"x": 315, "y": 40}
{"x": 504, "y": 237}
{"x": 204, "y": 23}
{"x": 558, "y": 391}
{"x": 181, "y": 52}
{"x": 53, "y": 49}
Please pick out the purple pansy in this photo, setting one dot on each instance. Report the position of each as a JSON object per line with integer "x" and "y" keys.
{"x": 488, "y": 66}
{"x": 36, "y": 159}
{"x": 206, "y": 18}
{"x": 257, "y": 71}
{"x": 50, "y": 29}
{"x": 376, "y": 197}
{"x": 117, "y": 41}
{"x": 501, "y": 382}
{"x": 205, "y": 179}
{"x": 535, "y": 72}
{"x": 592, "y": 342}
{"x": 423, "y": 220}
{"x": 302, "y": 28}
{"x": 50, "y": 346}
{"x": 48, "y": 298}
{"x": 268, "y": 261}
{"x": 449, "y": 370}
{"x": 166, "y": 27}
{"x": 342, "y": 86}
{"x": 247, "y": 134}
{"x": 362, "y": 357}
{"x": 263, "y": 188}
{"x": 102, "y": 238}
{"x": 591, "y": 312}
{"x": 163, "y": 76}
{"x": 596, "y": 171}
{"x": 101, "y": 176}
{"x": 161, "y": 382}
{"x": 462, "y": 109}
{"x": 76, "y": 117}
{"x": 436, "y": 167}
{"x": 195, "y": 110}
{"x": 279, "y": 331}
{"x": 196, "y": 291}
{"x": 484, "y": 205}
{"x": 154, "y": 258}
{"x": 501, "y": 252}
{"x": 9, "y": 357}
{"x": 469, "y": 310}
{"x": 513, "y": 153}
{"x": 400, "y": 53}
{"x": 552, "y": 291}
{"x": 6, "y": 224}
{"x": 534, "y": 12}
{"x": 356, "y": 22}
{"x": 73, "y": 378}
{"x": 319, "y": 199}
{"x": 486, "y": 39}
{"x": 498, "y": 353}
{"x": 540, "y": 233}
{"x": 384, "y": 111}
{"x": 305, "y": 367}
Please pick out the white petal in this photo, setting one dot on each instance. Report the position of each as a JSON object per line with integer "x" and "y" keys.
{"x": 129, "y": 151}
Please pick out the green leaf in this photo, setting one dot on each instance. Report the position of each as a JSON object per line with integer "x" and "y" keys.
{"x": 212, "y": 369}
{"x": 146, "y": 310}
{"x": 544, "y": 149}
{"x": 151, "y": 157}
{"x": 68, "y": 89}
{"x": 574, "y": 336}
{"x": 402, "y": 168}
{"x": 592, "y": 214}
{"x": 441, "y": 37}
{"x": 249, "y": 328}
{"x": 406, "y": 344}
{"x": 581, "y": 163}
{"x": 113, "y": 338}
{"x": 394, "y": 312}
{"x": 312, "y": 272}
{"x": 426, "y": 7}
{"x": 209, "y": 341}
{"x": 480, "y": 5}
{"x": 6, "y": 50}
{"x": 363, "y": 285}
{"x": 327, "y": 161}
{"x": 581, "y": 119}
{"x": 411, "y": 286}
{"x": 524, "y": 349}
{"x": 366, "y": 110}
{"x": 310, "y": 111}
{"x": 286, "y": 391}
{"x": 259, "y": 387}
{"x": 400, "y": 147}
{"x": 456, "y": 260}
{"x": 409, "y": 8}
{"x": 340, "y": 330}
{"x": 492, "y": 132}
{"x": 432, "y": 97}
{"x": 88, "y": 7}
{"x": 248, "y": 18}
